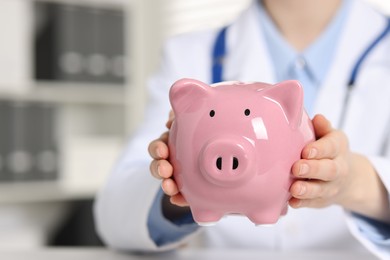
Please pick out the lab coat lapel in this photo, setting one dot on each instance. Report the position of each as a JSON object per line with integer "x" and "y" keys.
{"x": 250, "y": 60}
{"x": 331, "y": 98}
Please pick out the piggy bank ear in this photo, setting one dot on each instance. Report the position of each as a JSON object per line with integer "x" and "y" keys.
{"x": 187, "y": 95}
{"x": 289, "y": 96}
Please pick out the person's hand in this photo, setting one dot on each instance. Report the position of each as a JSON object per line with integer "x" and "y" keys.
{"x": 329, "y": 173}
{"x": 161, "y": 168}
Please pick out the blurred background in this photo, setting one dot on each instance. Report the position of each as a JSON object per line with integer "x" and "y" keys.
{"x": 72, "y": 77}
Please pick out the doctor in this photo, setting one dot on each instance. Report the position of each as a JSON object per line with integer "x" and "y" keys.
{"x": 340, "y": 51}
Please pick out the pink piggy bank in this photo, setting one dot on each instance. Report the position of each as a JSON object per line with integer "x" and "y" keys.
{"x": 232, "y": 146}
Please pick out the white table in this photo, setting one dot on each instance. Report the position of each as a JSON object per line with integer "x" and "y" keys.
{"x": 214, "y": 254}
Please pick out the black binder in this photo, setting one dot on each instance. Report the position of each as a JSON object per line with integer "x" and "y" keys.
{"x": 4, "y": 134}
{"x": 76, "y": 43}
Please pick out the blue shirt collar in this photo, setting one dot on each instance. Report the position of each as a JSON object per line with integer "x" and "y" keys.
{"x": 284, "y": 56}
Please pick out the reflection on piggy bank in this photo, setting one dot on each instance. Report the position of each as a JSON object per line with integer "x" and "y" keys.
{"x": 232, "y": 146}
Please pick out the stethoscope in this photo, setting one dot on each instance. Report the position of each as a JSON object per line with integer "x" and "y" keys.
{"x": 219, "y": 53}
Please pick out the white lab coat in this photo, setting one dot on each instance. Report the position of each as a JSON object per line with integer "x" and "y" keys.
{"x": 122, "y": 207}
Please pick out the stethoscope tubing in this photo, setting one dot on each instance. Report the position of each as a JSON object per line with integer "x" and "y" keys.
{"x": 356, "y": 70}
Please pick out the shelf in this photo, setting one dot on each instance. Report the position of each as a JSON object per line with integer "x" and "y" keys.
{"x": 38, "y": 191}
{"x": 105, "y": 3}
{"x": 86, "y": 164}
{"x": 69, "y": 93}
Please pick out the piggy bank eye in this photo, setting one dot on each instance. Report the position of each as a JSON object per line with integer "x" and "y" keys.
{"x": 212, "y": 113}
{"x": 247, "y": 112}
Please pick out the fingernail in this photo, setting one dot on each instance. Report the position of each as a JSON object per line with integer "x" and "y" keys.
{"x": 298, "y": 203}
{"x": 158, "y": 171}
{"x": 312, "y": 153}
{"x": 303, "y": 169}
{"x": 302, "y": 190}
{"x": 163, "y": 187}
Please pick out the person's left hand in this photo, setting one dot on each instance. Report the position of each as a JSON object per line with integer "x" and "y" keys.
{"x": 329, "y": 173}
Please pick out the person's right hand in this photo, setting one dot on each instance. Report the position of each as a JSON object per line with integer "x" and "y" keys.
{"x": 161, "y": 168}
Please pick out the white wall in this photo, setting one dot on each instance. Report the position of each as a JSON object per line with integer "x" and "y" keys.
{"x": 181, "y": 16}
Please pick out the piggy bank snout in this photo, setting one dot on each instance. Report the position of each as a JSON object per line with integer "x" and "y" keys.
{"x": 227, "y": 161}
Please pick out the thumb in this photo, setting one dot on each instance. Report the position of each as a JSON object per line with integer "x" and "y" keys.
{"x": 322, "y": 126}
{"x": 170, "y": 119}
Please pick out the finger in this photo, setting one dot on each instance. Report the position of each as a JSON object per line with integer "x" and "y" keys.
{"x": 306, "y": 190}
{"x": 161, "y": 169}
{"x": 169, "y": 187}
{"x": 294, "y": 203}
{"x": 312, "y": 190}
{"x": 154, "y": 170}
{"x": 164, "y": 137}
{"x": 179, "y": 200}
{"x": 158, "y": 149}
{"x": 324, "y": 170}
{"x": 328, "y": 147}
{"x": 322, "y": 126}
{"x": 302, "y": 203}
{"x": 170, "y": 119}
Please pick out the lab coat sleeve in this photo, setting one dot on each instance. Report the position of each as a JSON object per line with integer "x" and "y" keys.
{"x": 123, "y": 205}
{"x": 164, "y": 231}
{"x": 373, "y": 234}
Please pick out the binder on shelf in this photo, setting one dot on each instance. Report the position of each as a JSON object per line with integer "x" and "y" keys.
{"x": 75, "y": 39}
{"x": 31, "y": 136}
{"x": 18, "y": 160}
{"x": 28, "y": 144}
{"x": 41, "y": 142}
{"x": 111, "y": 43}
{"x": 44, "y": 148}
{"x": 6, "y": 137}
{"x": 3, "y": 139}
{"x": 54, "y": 29}
{"x": 95, "y": 63}
{"x": 78, "y": 43}
{"x": 9, "y": 140}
